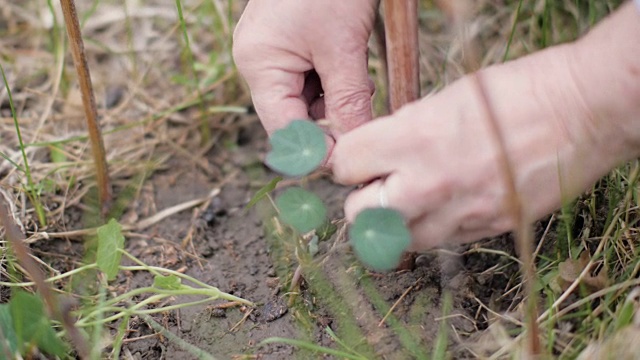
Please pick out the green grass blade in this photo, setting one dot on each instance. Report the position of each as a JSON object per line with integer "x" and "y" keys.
{"x": 27, "y": 171}
{"x": 263, "y": 192}
{"x": 440, "y": 347}
{"x": 16, "y": 165}
{"x": 204, "y": 128}
{"x": 513, "y": 31}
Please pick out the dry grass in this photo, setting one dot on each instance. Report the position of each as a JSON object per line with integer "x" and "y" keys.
{"x": 147, "y": 107}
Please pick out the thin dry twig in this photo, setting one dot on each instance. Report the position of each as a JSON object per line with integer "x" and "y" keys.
{"x": 458, "y": 12}
{"x": 395, "y": 304}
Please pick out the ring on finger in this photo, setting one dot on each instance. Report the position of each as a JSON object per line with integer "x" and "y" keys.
{"x": 382, "y": 195}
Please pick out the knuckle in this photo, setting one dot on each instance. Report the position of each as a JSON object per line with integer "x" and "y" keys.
{"x": 434, "y": 192}
{"x": 350, "y": 103}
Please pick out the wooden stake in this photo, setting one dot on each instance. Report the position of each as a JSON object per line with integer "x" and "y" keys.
{"x": 401, "y": 21}
{"x": 401, "y": 28}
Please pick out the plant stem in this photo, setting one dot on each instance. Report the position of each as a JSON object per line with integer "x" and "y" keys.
{"x": 33, "y": 195}
{"x": 89, "y": 103}
{"x": 204, "y": 128}
{"x": 513, "y": 31}
{"x": 53, "y": 278}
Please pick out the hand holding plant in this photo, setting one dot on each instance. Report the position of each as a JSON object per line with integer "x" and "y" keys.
{"x": 379, "y": 236}
{"x": 566, "y": 117}
{"x": 317, "y": 60}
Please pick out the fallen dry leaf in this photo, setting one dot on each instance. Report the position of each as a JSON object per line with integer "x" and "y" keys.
{"x": 570, "y": 269}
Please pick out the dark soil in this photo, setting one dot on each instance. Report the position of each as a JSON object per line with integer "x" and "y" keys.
{"x": 234, "y": 250}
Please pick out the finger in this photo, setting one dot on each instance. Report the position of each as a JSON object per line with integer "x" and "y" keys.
{"x": 347, "y": 90}
{"x": 313, "y": 94}
{"x": 277, "y": 98}
{"x": 284, "y": 103}
{"x": 451, "y": 225}
{"x": 368, "y": 152}
{"x": 431, "y": 230}
{"x": 369, "y": 196}
{"x": 316, "y": 109}
{"x": 412, "y": 196}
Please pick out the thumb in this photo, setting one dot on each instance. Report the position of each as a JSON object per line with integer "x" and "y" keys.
{"x": 347, "y": 93}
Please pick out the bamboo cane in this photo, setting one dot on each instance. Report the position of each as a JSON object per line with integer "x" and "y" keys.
{"x": 401, "y": 29}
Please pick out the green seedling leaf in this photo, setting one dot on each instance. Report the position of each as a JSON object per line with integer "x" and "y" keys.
{"x": 32, "y": 326}
{"x": 8, "y": 339}
{"x": 27, "y": 314}
{"x": 298, "y": 149}
{"x": 379, "y": 237}
{"x": 110, "y": 242}
{"x": 56, "y": 154}
{"x": 49, "y": 342}
{"x": 301, "y": 209}
{"x": 625, "y": 315}
{"x": 264, "y": 191}
{"x": 169, "y": 282}
{"x": 326, "y": 231}
{"x": 313, "y": 246}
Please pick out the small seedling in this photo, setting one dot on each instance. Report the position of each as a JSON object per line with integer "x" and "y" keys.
{"x": 298, "y": 149}
{"x": 378, "y": 236}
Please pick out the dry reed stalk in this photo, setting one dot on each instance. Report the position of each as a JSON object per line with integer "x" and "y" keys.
{"x": 458, "y": 12}
{"x": 401, "y": 35}
{"x": 88, "y": 102}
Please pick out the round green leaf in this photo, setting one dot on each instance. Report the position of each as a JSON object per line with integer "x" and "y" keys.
{"x": 379, "y": 237}
{"x": 298, "y": 149}
{"x": 301, "y": 209}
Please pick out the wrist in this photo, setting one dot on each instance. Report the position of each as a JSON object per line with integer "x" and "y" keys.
{"x": 605, "y": 66}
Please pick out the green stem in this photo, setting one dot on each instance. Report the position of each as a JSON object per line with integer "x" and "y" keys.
{"x": 53, "y": 278}
{"x": 33, "y": 195}
{"x": 121, "y": 312}
{"x": 513, "y": 31}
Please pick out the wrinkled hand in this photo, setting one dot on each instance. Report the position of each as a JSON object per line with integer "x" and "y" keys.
{"x": 437, "y": 161}
{"x": 307, "y": 58}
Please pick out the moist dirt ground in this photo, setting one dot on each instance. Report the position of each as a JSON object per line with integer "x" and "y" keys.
{"x": 391, "y": 316}
{"x": 396, "y": 315}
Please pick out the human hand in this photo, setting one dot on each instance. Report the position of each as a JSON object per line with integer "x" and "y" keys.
{"x": 436, "y": 162}
{"x": 307, "y": 58}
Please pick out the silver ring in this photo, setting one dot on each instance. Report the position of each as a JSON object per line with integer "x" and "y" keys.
{"x": 382, "y": 195}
